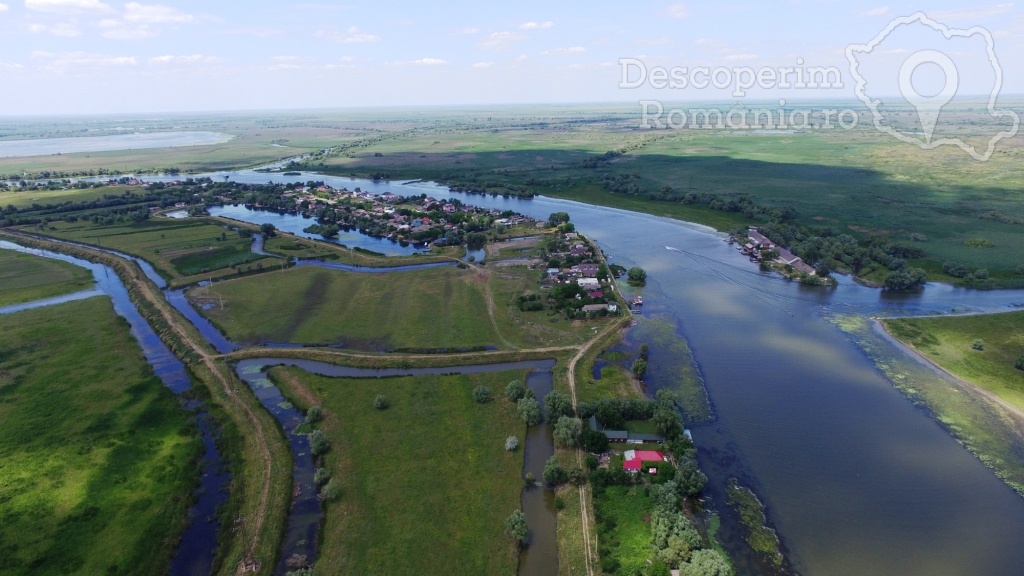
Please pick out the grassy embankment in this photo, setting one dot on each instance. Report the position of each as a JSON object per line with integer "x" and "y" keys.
{"x": 176, "y": 248}
{"x": 425, "y": 484}
{"x": 96, "y": 456}
{"x": 24, "y": 278}
{"x": 950, "y": 343}
{"x": 250, "y": 438}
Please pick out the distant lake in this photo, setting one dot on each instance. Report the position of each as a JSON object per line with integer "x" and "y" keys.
{"x": 137, "y": 141}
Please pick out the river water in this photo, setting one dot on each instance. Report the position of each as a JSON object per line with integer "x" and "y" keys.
{"x": 856, "y": 479}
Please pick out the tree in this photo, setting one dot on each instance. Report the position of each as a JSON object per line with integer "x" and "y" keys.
{"x": 554, "y": 473}
{"x": 331, "y": 490}
{"x": 381, "y": 402}
{"x": 511, "y": 443}
{"x": 529, "y": 411}
{"x": 558, "y": 404}
{"x": 314, "y": 415}
{"x": 329, "y": 231}
{"x": 645, "y": 351}
{"x": 706, "y": 563}
{"x": 907, "y": 279}
{"x": 689, "y": 477}
{"x": 267, "y": 230}
{"x": 482, "y": 394}
{"x": 516, "y": 528}
{"x": 321, "y": 476}
{"x": 318, "y": 442}
{"x": 639, "y": 368}
{"x": 636, "y": 276}
{"x": 595, "y": 441}
{"x": 557, "y": 218}
{"x": 515, "y": 391}
{"x": 567, "y": 431}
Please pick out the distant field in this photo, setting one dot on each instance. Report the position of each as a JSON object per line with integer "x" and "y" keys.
{"x": 174, "y": 247}
{"x": 24, "y": 278}
{"x": 437, "y": 308}
{"x": 949, "y": 343}
{"x": 95, "y": 453}
{"x": 26, "y": 198}
{"x": 426, "y": 484}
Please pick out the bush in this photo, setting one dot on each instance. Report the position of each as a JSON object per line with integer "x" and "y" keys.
{"x": 380, "y": 402}
{"x": 331, "y": 491}
{"x": 321, "y": 476}
{"x": 558, "y": 404}
{"x": 636, "y": 276}
{"x": 511, "y": 443}
{"x": 567, "y": 431}
{"x": 577, "y": 476}
{"x": 592, "y": 462}
{"x": 978, "y": 344}
{"x": 1019, "y": 364}
{"x": 515, "y": 391}
{"x": 516, "y": 528}
{"x": 482, "y": 394}
{"x": 529, "y": 411}
{"x": 318, "y": 442}
{"x": 314, "y": 415}
{"x": 559, "y": 503}
{"x": 554, "y": 473}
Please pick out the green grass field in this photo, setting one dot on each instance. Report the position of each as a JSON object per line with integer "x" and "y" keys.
{"x": 176, "y": 248}
{"x": 24, "y": 278}
{"x": 948, "y": 342}
{"x": 629, "y": 541}
{"x": 95, "y": 453}
{"x": 436, "y": 308}
{"x": 426, "y": 484}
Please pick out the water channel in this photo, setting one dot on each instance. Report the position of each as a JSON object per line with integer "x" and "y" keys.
{"x": 855, "y": 477}
{"x": 194, "y": 553}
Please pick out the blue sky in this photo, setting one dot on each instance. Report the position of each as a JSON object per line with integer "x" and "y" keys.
{"x": 100, "y": 56}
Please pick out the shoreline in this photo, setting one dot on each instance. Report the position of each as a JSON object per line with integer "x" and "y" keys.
{"x": 1015, "y": 413}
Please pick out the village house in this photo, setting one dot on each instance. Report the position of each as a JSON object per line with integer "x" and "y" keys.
{"x": 633, "y": 460}
{"x": 589, "y": 269}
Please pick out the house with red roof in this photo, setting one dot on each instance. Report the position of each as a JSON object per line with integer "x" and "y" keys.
{"x": 633, "y": 460}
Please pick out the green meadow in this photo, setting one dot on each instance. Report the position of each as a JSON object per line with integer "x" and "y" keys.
{"x": 425, "y": 484}
{"x": 24, "y": 278}
{"x": 952, "y": 343}
{"x": 95, "y": 454}
{"x": 176, "y": 248}
{"x": 434, "y": 308}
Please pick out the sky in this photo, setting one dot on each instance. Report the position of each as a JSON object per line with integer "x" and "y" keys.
{"x": 101, "y": 56}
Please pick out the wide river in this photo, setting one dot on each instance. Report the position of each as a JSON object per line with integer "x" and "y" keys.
{"x": 857, "y": 480}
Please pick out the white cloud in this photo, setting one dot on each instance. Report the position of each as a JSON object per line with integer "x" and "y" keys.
{"x": 741, "y": 57}
{"x": 66, "y": 6}
{"x": 429, "y": 62}
{"x": 154, "y": 14}
{"x": 880, "y": 11}
{"x": 352, "y": 36}
{"x": 678, "y": 11}
{"x": 481, "y": 65}
{"x": 4, "y": 7}
{"x": 536, "y": 25}
{"x": 971, "y": 14}
{"x": 121, "y": 30}
{"x": 469, "y": 31}
{"x": 501, "y": 40}
{"x": 564, "y": 51}
{"x": 84, "y": 59}
{"x": 189, "y": 59}
{"x": 62, "y": 29}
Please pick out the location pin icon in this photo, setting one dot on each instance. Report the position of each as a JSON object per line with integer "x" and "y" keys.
{"x": 928, "y": 107}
